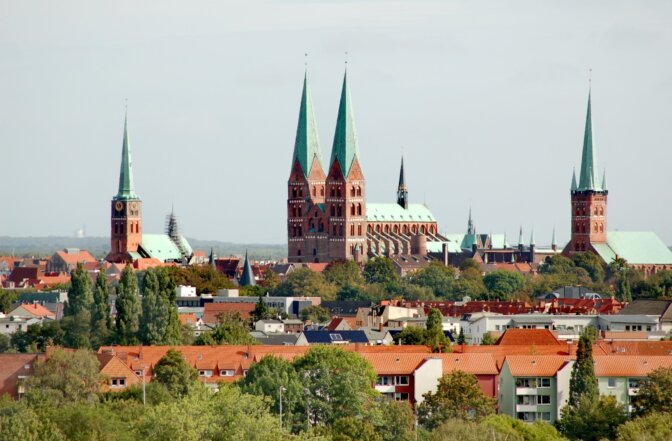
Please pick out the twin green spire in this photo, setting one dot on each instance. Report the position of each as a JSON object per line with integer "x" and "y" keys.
{"x": 588, "y": 175}
{"x": 307, "y": 145}
{"x": 345, "y": 147}
{"x": 126, "y": 187}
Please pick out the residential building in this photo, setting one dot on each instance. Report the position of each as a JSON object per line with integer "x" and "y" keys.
{"x": 270, "y": 326}
{"x": 15, "y": 369}
{"x": 326, "y": 337}
{"x": 66, "y": 260}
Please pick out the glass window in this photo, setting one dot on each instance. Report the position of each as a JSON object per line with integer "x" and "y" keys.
{"x": 544, "y": 416}
{"x": 633, "y": 383}
{"x": 402, "y": 380}
{"x": 401, "y": 396}
{"x": 543, "y": 399}
{"x": 611, "y": 382}
{"x": 544, "y": 382}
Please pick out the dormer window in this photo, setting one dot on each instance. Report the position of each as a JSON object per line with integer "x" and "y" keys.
{"x": 226, "y": 373}
{"x": 118, "y": 382}
{"x": 205, "y": 373}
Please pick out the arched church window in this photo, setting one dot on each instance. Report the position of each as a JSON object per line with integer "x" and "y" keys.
{"x": 338, "y": 210}
{"x": 359, "y": 230}
{"x": 359, "y": 209}
{"x": 321, "y": 190}
{"x": 359, "y": 191}
{"x": 423, "y": 230}
{"x": 352, "y": 191}
{"x": 352, "y": 230}
{"x": 352, "y": 209}
{"x": 333, "y": 210}
{"x": 333, "y": 192}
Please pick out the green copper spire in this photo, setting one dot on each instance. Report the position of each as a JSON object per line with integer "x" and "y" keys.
{"x": 532, "y": 241}
{"x": 345, "y": 147}
{"x": 588, "y": 174}
{"x": 574, "y": 185}
{"x": 306, "y": 146}
{"x": 402, "y": 191}
{"x": 604, "y": 180}
{"x": 126, "y": 188}
{"x": 247, "y": 278}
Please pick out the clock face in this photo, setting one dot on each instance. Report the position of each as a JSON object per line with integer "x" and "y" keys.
{"x": 119, "y": 206}
{"x": 134, "y": 205}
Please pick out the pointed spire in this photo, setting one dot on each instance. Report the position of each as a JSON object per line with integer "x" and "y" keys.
{"x": 471, "y": 229}
{"x": 212, "y": 257}
{"x": 574, "y": 185}
{"x": 345, "y": 147}
{"x": 588, "y": 173}
{"x": 306, "y": 145}
{"x": 520, "y": 237}
{"x": 604, "y": 180}
{"x": 402, "y": 192}
{"x": 247, "y": 278}
{"x": 532, "y": 241}
{"x": 554, "y": 243}
{"x": 126, "y": 187}
{"x": 504, "y": 244}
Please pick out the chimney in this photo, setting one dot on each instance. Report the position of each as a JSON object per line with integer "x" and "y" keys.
{"x": 419, "y": 244}
{"x": 444, "y": 253}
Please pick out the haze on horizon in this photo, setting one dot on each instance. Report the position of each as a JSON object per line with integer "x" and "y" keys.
{"x": 486, "y": 99}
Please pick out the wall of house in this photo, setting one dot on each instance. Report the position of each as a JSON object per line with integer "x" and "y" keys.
{"x": 426, "y": 378}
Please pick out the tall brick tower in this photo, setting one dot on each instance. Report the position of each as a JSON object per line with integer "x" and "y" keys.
{"x": 307, "y": 224}
{"x": 589, "y": 199}
{"x": 126, "y": 211}
{"x": 346, "y": 187}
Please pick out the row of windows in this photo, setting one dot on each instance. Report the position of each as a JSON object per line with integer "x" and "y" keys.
{"x": 134, "y": 227}
{"x": 404, "y": 229}
{"x": 533, "y": 382}
{"x": 222, "y": 373}
{"x": 392, "y": 380}
{"x": 582, "y": 227}
{"x": 598, "y": 210}
{"x": 533, "y": 399}
{"x": 534, "y": 416}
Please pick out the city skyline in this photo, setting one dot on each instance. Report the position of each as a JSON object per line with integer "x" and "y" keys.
{"x": 215, "y": 158}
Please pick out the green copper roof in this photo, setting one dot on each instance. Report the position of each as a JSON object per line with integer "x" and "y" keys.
{"x": 643, "y": 248}
{"x": 437, "y": 247}
{"x": 396, "y": 213}
{"x": 247, "y": 278}
{"x": 306, "y": 145}
{"x": 345, "y": 147}
{"x": 162, "y": 247}
{"x": 126, "y": 188}
{"x": 574, "y": 185}
{"x": 588, "y": 175}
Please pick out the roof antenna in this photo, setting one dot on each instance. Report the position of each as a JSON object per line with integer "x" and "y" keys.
{"x": 305, "y": 60}
{"x": 346, "y": 60}
{"x": 590, "y": 78}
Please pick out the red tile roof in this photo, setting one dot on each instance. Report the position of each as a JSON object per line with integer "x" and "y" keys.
{"x": 515, "y": 336}
{"x": 629, "y": 365}
{"x": 536, "y": 365}
{"x": 74, "y": 258}
{"x": 36, "y": 310}
{"x": 212, "y": 310}
{"x": 13, "y": 366}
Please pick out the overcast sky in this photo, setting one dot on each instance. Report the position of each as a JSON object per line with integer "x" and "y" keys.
{"x": 487, "y": 99}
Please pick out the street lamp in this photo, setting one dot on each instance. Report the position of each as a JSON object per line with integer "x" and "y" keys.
{"x": 282, "y": 389}
{"x": 144, "y": 390}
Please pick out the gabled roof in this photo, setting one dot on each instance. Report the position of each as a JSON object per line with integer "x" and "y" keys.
{"x": 13, "y": 366}
{"x": 345, "y": 148}
{"x": 638, "y": 248}
{"x": 515, "y": 336}
{"x": 75, "y": 256}
{"x": 306, "y": 145}
{"x": 660, "y": 308}
{"x": 31, "y": 310}
{"x": 162, "y": 247}
{"x": 629, "y": 365}
{"x": 212, "y": 311}
{"x": 376, "y": 212}
{"x": 535, "y": 365}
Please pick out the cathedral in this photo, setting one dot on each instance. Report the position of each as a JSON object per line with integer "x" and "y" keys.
{"x": 128, "y": 242}
{"x": 642, "y": 250}
{"x": 328, "y": 217}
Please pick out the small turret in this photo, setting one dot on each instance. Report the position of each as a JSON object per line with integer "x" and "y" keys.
{"x": 402, "y": 191}
{"x": 247, "y": 278}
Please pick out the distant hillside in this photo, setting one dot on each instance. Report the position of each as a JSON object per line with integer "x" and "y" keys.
{"x": 99, "y": 246}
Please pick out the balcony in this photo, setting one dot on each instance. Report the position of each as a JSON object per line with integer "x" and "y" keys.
{"x": 526, "y": 391}
{"x": 526, "y": 408}
{"x": 385, "y": 389}
{"x": 632, "y": 391}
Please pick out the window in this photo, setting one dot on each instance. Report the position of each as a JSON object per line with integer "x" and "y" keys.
{"x": 205, "y": 373}
{"x": 543, "y": 399}
{"x": 401, "y": 380}
{"x": 633, "y": 383}
{"x": 336, "y": 337}
{"x": 118, "y": 382}
{"x": 226, "y": 373}
{"x": 526, "y": 416}
{"x": 138, "y": 373}
{"x": 385, "y": 381}
{"x": 611, "y": 382}
{"x": 545, "y": 382}
{"x": 544, "y": 416}
{"x": 403, "y": 396}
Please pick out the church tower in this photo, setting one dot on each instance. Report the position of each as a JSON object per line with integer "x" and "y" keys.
{"x": 126, "y": 211}
{"x": 589, "y": 199}
{"x": 346, "y": 195}
{"x": 306, "y": 219}
{"x": 402, "y": 191}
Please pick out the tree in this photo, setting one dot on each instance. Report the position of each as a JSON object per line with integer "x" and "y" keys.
{"x": 205, "y": 278}
{"x": 77, "y": 330}
{"x": 583, "y": 382}
{"x": 173, "y": 329}
{"x": 337, "y": 382}
{"x": 101, "y": 320}
{"x": 38, "y": 336}
{"x": 517, "y": 429}
{"x": 80, "y": 295}
{"x": 20, "y": 422}
{"x": 436, "y": 276}
{"x": 270, "y": 279}
{"x": 488, "y": 339}
{"x": 66, "y": 377}
{"x": 5, "y": 343}
{"x": 593, "y": 418}
{"x": 394, "y": 420}
{"x": 459, "y": 396}
{"x": 434, "y": 335}
{"x": 655, "y": 393}
{"x": 591, "y": 263}
{"x": 128, "y": 308}
{"x": 652, "y": 427}
{"x": 349, "y": 292}
{"x": 305, "y": 282}
{"x": 411, "y": 335}
{"x": 154, "y": 319}
{"x": 380, "y": 270}
{"x": 343, "y": 272}
{"x": 353, "y": 429}
{"x": 460, "y": 337}
{"x": 230, "y": 330}
{"x": 435, "y": 321}
{"x": 621, "y": 272}
{"x": 173, "y": 372}
{"x": 316, "y": 314}
{"x": 261, "y": 311}
{"x": 266, "y": 377}
{"x": 502, "y": 283}
{"x": 7, "y": 298}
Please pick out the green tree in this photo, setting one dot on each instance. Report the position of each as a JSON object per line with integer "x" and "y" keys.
{"x": 154, "y": 319}
{"x": 270, "y": 279}
{"x": 655, "y": 393}
{"x": 7, "y": 299}
{"x": 231, "y": 329}
{"x": 434, "y": 336}
{"x": 128, "y": 308}
{"x": 436, "y": 276}
{"x": 173, "y": 329}
{"x": 80, "y": 295}
{"x": 380, "y": 270}
{"x": 20, "y": 422}
{"x": 591, "y": 263}
{"x": 38, "y": 336}
{"x": 652, "y": 427}
{"x": 593, "y": 418}
{"x": 101, "y": 320}
{"x": 354, "y": 429}
{"x": 205, "y": 278}
{"x": 459, "y": 396}
{"x": 517, "y": 429}
{"x": 77, "y": 330}
{"x": 394, "y": 420}
{"x": 343, "y": 272}
{"x": 5, "y": 343}
{"x": 557, "y": 264}
{"x": 349, "y": 292}
{"x": 461, "y": 339}
{"x": 503, "y": 284}
{"x": 173, "y": 372}
{"x": 583, "y": 382}
{"x": 65, "y": 377}
{"x": 305, "y": 282}
{"x": 411, "y": 335}
{"x": 82, "y": 422}
{"x": 316, "y": 314}
{"x": 338, "y": 384}
{"x": 488, "y": 339}
{"x": 435, "y": 321}
{"x": 261, "y": 311}
{"x": 266, "y": 377}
